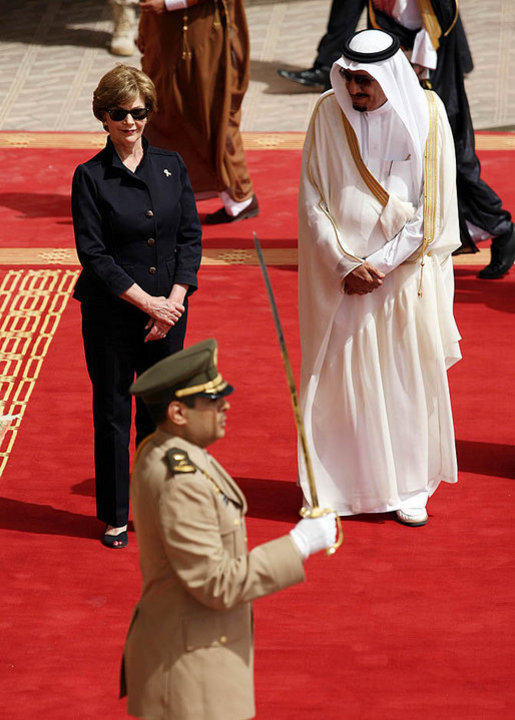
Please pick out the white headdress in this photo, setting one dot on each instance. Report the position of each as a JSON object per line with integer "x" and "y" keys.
{"x": 377, "y": 53}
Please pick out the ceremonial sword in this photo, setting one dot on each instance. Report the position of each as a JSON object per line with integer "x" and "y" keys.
{"x": 315, "y": 510}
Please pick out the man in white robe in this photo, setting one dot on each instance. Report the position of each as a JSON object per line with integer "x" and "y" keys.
{"x": 378, "y": 222}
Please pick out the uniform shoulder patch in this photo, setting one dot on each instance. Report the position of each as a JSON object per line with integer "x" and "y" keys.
{"x": 180, "y": 462}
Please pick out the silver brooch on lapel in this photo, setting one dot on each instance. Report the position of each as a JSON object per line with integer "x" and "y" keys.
{"x": 167, "y": 172}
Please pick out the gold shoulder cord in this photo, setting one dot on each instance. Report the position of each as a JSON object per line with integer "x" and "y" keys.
{"x": 430, "y": 22}
{"x": 186, "y": 465}
{"x": 213, "y": 482}
{"x": 321, "y": 203}
{"x": 370, "y": 181}
{"x": 372, "y": 15}
{"x": 208, "y": 477}
{"x": 454, "y": 21}
{"x": 430, "y": 182}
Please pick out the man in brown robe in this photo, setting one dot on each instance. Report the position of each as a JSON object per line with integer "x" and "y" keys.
{"x": 197, "y": 54}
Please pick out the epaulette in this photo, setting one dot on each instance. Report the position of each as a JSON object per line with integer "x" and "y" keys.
{"x": 179, "y": 461}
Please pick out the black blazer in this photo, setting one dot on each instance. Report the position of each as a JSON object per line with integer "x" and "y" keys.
{"x": 140, "y": 227}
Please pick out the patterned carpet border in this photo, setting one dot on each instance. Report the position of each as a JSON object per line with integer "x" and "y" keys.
{"x": 18, "y": 257}
{"x": 251, "y": 140}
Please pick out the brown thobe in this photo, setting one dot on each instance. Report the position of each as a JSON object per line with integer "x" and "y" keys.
{"x": 198, "y": 59}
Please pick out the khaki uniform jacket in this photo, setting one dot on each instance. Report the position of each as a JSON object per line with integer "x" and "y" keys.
{"x": 189, "y": 649}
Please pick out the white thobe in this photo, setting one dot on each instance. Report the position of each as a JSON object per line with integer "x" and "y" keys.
{"x": 373, "y": 391}
{"x": 386, "y": 153}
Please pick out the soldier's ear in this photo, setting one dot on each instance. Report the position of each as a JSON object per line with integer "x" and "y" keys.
{"x": 177, "y": 413}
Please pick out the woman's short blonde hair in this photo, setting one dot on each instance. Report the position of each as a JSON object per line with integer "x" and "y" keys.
{"x": 120, "y": 85}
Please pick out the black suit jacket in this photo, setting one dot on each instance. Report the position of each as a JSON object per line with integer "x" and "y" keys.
{"x": 140, "y": 227}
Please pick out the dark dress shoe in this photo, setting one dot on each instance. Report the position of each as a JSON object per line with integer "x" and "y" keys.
{"x": 502, "y": 256}
{"x": 222, "y": 216}
{"x": 315, "y": 77}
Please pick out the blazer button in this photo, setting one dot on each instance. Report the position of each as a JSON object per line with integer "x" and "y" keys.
{"x": 236, "y": 521}
{"x": 151, "y": 242}
{"x": 149, "y": 213}
{"x": 223, "y": 639}
{"x": 152, "y": 270}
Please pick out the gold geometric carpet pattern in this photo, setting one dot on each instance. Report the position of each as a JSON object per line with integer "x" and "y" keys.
{"x": 251, "y": 140}
{"x": 210, "y": 256}
{"x": 31, "y": 305}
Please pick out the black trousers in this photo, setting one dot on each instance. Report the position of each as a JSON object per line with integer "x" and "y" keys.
{"x": 115, "y": 353}
{"x": 477, "y": 202}
{"x": 343, "y": 18}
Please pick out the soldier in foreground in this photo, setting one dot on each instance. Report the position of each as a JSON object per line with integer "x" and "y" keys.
{"x": 189, "y": 650}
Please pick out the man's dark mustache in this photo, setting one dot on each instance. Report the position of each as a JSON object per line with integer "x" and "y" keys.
{"x": 359, "y": 108}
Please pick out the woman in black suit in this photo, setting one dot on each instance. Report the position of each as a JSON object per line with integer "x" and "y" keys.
{"x": 138, "y": 239}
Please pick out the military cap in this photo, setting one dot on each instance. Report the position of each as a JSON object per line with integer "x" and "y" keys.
{"x": 186, "y": 373}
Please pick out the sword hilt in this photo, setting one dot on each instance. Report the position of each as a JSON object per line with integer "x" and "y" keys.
{"x": 315, "y": 512}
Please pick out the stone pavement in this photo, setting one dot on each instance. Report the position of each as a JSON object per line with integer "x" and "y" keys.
{"x": 53, "y": 52}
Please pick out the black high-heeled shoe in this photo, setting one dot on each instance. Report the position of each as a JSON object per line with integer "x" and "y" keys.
{"x": 122, "y": 540}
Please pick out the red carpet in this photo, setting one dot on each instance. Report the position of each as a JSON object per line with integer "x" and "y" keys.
{"x": 400, "y": 623}
{"x": 35, "y": 204}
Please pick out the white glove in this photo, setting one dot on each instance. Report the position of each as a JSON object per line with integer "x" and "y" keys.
{"x": 313, "y": 534}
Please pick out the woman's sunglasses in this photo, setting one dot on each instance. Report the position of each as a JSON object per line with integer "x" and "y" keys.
{"x": 119, "y": 114}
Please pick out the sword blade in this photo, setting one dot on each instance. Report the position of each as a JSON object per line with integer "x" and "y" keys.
{"x": 289, "y": 376}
